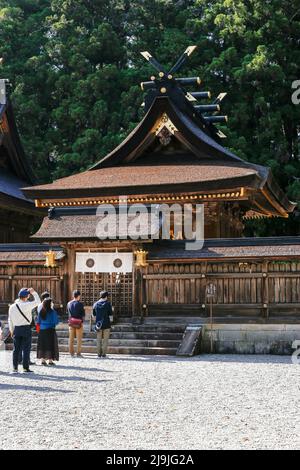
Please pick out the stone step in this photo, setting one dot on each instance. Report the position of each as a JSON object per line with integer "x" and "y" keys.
{"x": 127, "y": 338}
{"x": 123, "y": 342}
{"x": 129, "y": 327}
{"x": 144, "y": 335}
{"x": 128, "y": 335}
{"x": 135, "y": 350}
{"x": 149, "y": 327}
{"x": 173, "y": 320}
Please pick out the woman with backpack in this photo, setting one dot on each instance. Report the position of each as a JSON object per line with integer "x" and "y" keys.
{"x": 47, "y": 348}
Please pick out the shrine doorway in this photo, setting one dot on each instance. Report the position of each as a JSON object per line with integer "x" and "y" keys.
{"x": 119, "y": 285}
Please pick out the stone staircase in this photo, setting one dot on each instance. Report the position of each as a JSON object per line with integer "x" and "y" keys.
{"x": 128, "y": 338}
{"x": 3, "y": 318}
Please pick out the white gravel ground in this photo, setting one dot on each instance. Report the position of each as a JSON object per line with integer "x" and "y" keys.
{"x": 127, "y": 402}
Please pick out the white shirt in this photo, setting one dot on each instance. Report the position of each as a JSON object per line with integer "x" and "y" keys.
{"x": 14, "y": 316}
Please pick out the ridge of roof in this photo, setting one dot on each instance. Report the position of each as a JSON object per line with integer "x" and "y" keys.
{"x": 16, "y": 153}
{"x": 142, "y": 135}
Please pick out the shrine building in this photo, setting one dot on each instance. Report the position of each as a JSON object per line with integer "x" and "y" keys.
{"x": 175, "y": 155}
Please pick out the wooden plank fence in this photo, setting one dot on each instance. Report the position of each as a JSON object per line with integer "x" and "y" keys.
{"x": 246, "y": 289}
{"x": 13, "y": 277}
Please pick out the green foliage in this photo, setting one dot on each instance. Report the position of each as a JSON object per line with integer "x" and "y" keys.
{"x": 75, "y": 68}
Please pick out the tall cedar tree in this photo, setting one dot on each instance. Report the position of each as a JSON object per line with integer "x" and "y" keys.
{"x": 75, "y": 70}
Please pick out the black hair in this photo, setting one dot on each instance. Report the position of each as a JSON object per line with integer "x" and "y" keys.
{"x": 46, "y": 307}
{"x": 76, "y": 293}
{"x": 104, "y": 294}
{"x": 45, "y": 295}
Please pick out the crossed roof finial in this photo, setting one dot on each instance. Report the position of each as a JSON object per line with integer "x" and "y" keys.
{"x": 182, "y": 59}
{"x": 174, "y": 88}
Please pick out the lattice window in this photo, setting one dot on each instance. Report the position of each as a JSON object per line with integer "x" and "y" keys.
{"x": 117, "y": 284}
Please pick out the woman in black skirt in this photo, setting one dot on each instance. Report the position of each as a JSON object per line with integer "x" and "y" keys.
{"x": 47, "y": 348}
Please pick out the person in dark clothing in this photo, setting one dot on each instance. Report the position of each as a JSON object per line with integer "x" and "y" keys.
{"x": 102, "y": 310}
{"x": 2, "y": 337}
{"x": 75, "y": 310}
{"x": 47, "y": 347}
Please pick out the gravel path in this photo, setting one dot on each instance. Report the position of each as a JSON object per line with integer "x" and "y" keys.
{"x": 127, "y": 402}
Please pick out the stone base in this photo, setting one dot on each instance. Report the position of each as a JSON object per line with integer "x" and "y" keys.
{"x": 249, "y": 339}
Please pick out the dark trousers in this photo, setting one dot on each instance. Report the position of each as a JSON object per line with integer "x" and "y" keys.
{"x": 21, "y": 357}
{"x": 22, "y": 345}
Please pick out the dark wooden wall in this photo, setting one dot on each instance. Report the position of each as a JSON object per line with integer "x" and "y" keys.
{"x": 262, "y": 289}
{"x": 15, "y": 276}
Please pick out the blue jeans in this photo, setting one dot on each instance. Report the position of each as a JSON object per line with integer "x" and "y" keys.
{"x": 22, "y": 345}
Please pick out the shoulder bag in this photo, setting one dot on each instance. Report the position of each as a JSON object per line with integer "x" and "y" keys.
{"x": 32, "y": 323}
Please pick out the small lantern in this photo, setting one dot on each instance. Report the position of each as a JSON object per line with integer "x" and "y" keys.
{"x": 50, "y": 259}
{"x": 141, "y": 258}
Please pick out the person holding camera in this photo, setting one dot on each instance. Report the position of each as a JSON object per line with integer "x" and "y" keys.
{"x": 20, "y": 321}
{"x": 102, "y": 310}
{"x": 44, "y": 295}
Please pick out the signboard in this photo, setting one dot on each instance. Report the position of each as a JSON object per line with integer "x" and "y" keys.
{"x": 104, "y": 262}
{"x": 190, "y": 343}
{"x": 211, "y": 290}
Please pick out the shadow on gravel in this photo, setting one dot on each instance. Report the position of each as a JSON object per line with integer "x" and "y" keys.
{"x": 51, "y": 378}
{"x": 72, "y": 378}
{"x": 85, "y": 369}
{"x": 30, "y": 388}
{"x": 218, "y": 358}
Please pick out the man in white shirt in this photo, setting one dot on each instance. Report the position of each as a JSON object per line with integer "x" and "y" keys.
{"x": 19, "y": 321}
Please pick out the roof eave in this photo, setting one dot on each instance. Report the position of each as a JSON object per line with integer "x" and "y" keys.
{"x": 14, "y": 146}
{"x": 213, "y": 185}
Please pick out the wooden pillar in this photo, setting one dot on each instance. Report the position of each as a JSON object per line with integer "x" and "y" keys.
{"x": 64, "y": 291}
{"x": 144, "y": 271}
{"x": 138, "y": 291}
{"x": 70, "y": 273}
{"x": 265, "y": 290}
{"x": 12, "y": 271}
{"x": 134, "y": 291}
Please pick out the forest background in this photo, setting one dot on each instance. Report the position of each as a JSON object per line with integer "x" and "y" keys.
{"x": 75, "y": 70}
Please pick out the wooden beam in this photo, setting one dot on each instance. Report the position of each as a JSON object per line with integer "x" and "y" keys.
{"x": 228, "y": 275}
{"x": 230, "y": 194}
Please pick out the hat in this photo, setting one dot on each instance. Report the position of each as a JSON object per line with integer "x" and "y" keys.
{"x": 104, "y": 294}
{"x": 23, "y": 292}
